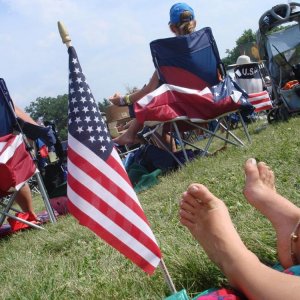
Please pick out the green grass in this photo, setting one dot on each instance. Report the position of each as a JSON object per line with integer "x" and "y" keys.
{"x": 67, "y": 261}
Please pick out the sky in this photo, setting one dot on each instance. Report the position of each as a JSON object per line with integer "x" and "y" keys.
{"x": 111, "y": 39}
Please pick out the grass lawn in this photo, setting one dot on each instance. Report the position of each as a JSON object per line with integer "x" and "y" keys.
{"x": 67, "y": 261}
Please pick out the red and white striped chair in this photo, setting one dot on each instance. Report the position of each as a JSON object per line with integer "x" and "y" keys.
{"x": 261, "y": 101}
{"x": 17, "y": 164}
{"x": 248, "y": 76}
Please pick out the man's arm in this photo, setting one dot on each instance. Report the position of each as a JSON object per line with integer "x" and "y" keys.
{"x": 24, "y": 116}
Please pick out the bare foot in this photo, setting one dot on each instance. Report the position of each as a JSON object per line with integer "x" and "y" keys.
{"x": 209, "y": 222}
{"x": 126, "y": 139}
{"x": 260, "y": 192}
{"x": 123, "y": 139}
{"x": 130, "y": 136}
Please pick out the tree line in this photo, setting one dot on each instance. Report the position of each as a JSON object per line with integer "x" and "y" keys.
{"x": 55, "y": 110}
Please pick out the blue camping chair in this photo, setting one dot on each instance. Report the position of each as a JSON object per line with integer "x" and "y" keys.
{"x": 195, "y": 91}
{"x": 17, "y": 161}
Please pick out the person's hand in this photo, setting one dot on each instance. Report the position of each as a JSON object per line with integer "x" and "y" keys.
{"x": 115, "y": 99}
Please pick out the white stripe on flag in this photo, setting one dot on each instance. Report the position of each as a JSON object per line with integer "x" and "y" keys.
{"x": 89, "y": 155}
{"x": 109, "y": 198}
{"x": 113, "y": 228}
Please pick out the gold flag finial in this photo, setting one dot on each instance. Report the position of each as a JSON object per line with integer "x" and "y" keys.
{"x": 64, "y": 34}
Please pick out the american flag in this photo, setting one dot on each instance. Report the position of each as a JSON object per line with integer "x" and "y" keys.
{"x": 100, "y": 194}
{"x": 171, "y": 102}
{"x": 16, "y": 164}
{"x": 261, "y": 101}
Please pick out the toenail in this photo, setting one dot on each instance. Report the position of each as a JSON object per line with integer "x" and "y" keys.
{"x": 252, "y": 161}
{"x": 199, "y": 201}
{"x": 193, "y": 188}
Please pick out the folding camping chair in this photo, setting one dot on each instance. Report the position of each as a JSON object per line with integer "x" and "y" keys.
{"x": 192, "y": 94}
{"x": 248, "y": 76}
{"x": 17, "y": 162}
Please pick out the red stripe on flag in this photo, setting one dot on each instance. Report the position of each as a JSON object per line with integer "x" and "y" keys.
{"x": 114, "y": 242}
{"x": 106, "y": 182}
{"x": 111, "y": 213}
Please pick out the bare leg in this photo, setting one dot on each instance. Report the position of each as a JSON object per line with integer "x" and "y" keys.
{"x": 130, "y": 136}
{"x": 261, "y": 193}
{"x": 208, "y": 220}
{"x": 170, "y": 141}
{"x": 24, "y": 200}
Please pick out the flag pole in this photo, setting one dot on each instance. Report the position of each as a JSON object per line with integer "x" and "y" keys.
{"x": 167, "y": 276}
{"x": 64, "y": 34}
{"x": 67, "y": 40}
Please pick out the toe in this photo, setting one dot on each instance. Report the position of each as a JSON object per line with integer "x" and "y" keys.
{"x": 263, "y": 169}
{"x": 251, "y": 169}
{"x": 186, "y": 217}
{"x": 187, "y": 223}
{"x": 188, "y": 203}
{"x": 200, "y": 193}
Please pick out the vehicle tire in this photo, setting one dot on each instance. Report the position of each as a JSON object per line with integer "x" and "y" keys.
{"x": 283, "y": 113}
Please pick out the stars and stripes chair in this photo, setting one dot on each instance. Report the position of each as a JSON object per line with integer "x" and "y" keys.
{"x": 17, "y": 163}
{"x": 195, "y": 91}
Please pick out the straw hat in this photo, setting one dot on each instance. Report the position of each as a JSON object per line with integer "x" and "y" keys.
{"x": 243, "y": 60}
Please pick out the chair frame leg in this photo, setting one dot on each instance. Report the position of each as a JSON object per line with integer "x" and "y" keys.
{"x": 7, "y": 208}
{"x": 212, "y": 134}
{"x": 245, "y": 128}
{"x": 5, "y": 212}
{"x": 45, "y": 197}
{"x": 158, "y": 141}
{"x": 180, "y": 141}
{"x": 22, "y": 220}
{"x": 236, "y": 141}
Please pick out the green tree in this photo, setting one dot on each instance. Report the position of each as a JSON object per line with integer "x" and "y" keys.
{"x": 131, "y": 90}
{"x": 102, "y": 105}
{"x": 247, "y": 38}
{"x": 51, "y": 109}
{"x": 246, "y": 44}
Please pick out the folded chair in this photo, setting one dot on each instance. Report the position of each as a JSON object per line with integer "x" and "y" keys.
{"x": 117, "y": 117}
{"x": 195, "y": 91}
{"x": 17, "y": 162}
